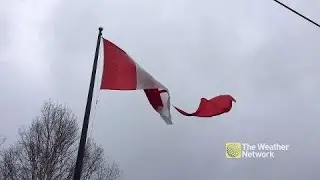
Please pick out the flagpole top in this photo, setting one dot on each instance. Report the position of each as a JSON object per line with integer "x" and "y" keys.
{"x": 100, "y": 29}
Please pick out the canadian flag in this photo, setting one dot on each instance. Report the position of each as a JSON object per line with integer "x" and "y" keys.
{"x": 120, "y": 72}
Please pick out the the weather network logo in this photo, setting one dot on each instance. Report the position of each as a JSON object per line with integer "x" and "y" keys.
{"x": 236, "y": 150}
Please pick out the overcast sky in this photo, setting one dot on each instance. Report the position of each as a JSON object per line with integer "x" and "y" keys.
{"x": 261, "y": 53}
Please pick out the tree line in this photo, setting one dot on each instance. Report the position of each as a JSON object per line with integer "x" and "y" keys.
{"x": 47, "y": 150}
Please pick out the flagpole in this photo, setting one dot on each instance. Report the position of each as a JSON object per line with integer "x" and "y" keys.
{"x": 82, "y": 144}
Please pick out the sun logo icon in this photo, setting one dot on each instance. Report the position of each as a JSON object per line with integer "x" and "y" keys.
{"x": 233, "y": 150}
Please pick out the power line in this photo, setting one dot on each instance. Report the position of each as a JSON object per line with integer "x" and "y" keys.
{"x": 294, "y": 11}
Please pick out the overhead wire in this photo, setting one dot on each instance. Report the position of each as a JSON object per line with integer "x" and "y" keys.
{"x": 297, "y": 13}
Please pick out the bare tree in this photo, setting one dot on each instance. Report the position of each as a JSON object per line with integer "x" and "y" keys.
{"x": 47, "y": 150}
{"x": 2, "y": 140}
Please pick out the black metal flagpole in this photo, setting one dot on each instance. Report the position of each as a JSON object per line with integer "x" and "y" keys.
{"x": 82, "y": 144}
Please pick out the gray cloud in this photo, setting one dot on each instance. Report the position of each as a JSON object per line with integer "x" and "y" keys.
{"x": 259, "y": 52}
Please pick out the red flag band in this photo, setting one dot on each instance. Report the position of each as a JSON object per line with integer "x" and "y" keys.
{"x": 213, "y": 107}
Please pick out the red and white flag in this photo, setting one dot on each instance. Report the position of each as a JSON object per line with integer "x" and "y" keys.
{"x": 120, "y": 72}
